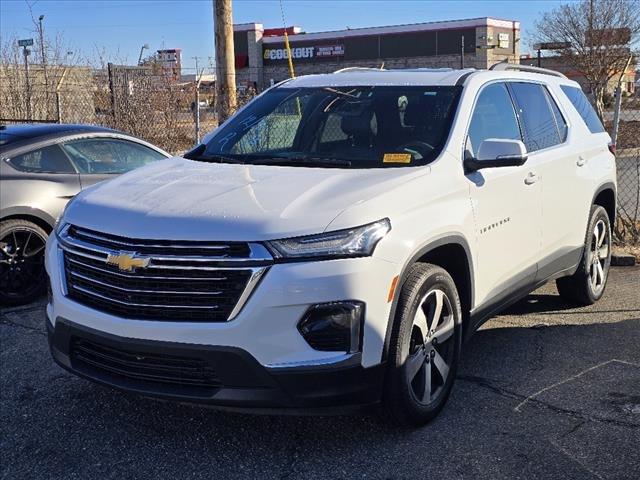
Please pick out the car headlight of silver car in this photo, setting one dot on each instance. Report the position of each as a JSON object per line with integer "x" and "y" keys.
{"x": 352, "y": 242}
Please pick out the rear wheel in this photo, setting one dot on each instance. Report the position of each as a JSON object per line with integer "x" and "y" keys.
{"x": 22, "y": 276}
{"x": 587, "y": 285}
{"x": 424, "y": 346}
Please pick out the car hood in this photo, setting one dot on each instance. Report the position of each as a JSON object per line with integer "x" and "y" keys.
{"x": 183, "y": 199}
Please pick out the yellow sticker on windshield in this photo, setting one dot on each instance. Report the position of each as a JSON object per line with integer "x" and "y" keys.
{"x": 396, "y": 158}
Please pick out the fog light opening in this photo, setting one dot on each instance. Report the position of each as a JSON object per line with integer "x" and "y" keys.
{"x": 334, "y": 327}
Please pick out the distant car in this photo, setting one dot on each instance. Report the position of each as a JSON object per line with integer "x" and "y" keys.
{"x": 41, "y": 168}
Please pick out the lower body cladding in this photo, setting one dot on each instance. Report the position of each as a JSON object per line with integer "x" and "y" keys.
{"x": 259, "y": 361}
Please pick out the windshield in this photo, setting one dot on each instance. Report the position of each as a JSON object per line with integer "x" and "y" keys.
{"x": 356, "y": 127}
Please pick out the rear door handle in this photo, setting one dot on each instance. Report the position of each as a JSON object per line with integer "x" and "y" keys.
{"x": 531, "y": 178}
{"x": 581, "y": 161}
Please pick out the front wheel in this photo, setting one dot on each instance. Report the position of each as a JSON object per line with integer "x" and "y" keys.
{"x": 587, "y": 285}
{"x": 424, "y": 347}
{"x": 22, "y": 276}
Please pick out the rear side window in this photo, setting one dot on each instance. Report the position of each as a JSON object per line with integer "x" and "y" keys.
{"x": 48, "y": 159}
{"x": 584, "y": 108}
{"x": 536, "y": 118}
{"x": 560, "y": 121}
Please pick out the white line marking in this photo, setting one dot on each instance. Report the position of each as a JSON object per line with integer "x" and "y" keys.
{"x": 569, "y": 379}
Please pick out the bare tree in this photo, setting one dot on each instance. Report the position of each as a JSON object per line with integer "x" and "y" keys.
{"x": 601, "y": 33}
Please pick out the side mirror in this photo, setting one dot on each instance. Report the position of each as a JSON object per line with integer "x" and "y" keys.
{"x": 495, "y": 153}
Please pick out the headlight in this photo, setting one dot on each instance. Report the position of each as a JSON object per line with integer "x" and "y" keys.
{"x": 352, "y": 242}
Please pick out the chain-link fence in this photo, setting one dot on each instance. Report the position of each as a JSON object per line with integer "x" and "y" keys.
{"x": 626, "y": 136}
{"x": 142, "y": 101}
{"x": 150, "y": 104}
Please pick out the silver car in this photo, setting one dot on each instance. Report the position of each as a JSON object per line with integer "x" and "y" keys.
{"x": 41, "y": 168}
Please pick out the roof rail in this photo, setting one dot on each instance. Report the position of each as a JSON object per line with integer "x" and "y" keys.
{"x": 361, "y": 69}
{"x": 502, "y": 66}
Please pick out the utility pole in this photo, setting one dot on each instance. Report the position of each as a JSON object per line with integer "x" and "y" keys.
{"x": 196, "y": 108}
{"x": 462, "y": 52}
{"x": 44, "y": 64}
{"x": 225, "y": 60}
{"x": 26, "y": 52}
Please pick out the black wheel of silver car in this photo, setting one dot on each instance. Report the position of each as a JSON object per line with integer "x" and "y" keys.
{"x": 424, "y": 347}
{"x": 587, "y": 285}
{"x": 22, "y": 246}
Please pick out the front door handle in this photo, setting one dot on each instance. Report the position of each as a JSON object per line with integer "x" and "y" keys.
{"x": 531, "y": 178}
{"x": 581, "y": 161}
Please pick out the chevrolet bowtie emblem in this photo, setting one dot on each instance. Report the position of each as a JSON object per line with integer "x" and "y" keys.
{"x": 127, "y": 262}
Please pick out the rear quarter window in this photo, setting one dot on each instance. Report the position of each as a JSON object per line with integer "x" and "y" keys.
{"x": 581, "y": 103}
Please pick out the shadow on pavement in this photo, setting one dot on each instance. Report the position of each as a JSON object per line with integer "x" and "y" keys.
{"x": 578, "y": 377}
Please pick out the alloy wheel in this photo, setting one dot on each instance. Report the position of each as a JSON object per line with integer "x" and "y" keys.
{"x": 432, "y": 349}
{"x": 599, "y": 257}
{"x": 21, "y": 262}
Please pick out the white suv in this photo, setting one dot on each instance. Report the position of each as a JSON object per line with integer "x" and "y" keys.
{"x": 335, "y": 242}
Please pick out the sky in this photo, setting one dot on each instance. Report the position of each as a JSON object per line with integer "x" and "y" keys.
{"x": 118, "y": 28}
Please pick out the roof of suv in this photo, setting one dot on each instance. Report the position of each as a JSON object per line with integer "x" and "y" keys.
{"x": 418, "y": 77}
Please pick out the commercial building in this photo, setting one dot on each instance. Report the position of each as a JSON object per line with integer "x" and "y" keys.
{"x": 562, "y": 65}
{"x": 262, "y": 58}
{"x": 171, "y": 62}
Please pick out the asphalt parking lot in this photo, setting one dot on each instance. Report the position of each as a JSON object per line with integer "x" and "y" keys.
{"x": 545, "y": 391}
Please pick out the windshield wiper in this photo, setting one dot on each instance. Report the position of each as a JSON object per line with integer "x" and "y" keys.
{"x": 306, "y": 160}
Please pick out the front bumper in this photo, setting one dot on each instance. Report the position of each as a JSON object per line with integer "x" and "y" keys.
{"x": 266, "y": 327}
{"x": 234, "y": 380}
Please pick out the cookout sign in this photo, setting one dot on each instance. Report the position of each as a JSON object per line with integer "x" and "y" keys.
{"x": 304, "y": 52}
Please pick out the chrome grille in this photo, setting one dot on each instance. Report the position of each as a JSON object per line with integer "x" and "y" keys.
{"x": 183, "y": 281}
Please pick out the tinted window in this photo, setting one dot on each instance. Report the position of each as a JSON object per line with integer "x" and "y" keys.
{"x": 584, "y": 108}
{"x": 538, "y": 123}
{"x": 493, "y": 117}
{"x": 560, "y": 122}
{"x": 357, "y": 127}
{"x": 107, "y": 155}
{"x": 48, "y": 159}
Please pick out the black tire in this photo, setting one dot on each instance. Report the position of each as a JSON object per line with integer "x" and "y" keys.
{"x": 22, "y": 275}
{"x": 403, "y": 389}
{"x": 580, "y": 287}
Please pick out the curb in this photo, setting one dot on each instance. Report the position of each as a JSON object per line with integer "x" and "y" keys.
{"x": 623, "y": 260}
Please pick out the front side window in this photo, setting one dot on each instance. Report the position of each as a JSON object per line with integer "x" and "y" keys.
{"x": 493, "y": 117}
{"x": 46, "y": 160}
{"x": 356, "y": 127}
{"x": 109, "y": 155}
{"x": 584, "y": 108}
{"x": 538, "y": 123}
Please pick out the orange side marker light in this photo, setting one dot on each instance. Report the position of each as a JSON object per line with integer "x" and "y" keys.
{"x": 392, "y": 289}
